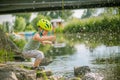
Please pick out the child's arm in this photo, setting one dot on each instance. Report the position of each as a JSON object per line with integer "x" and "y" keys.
{"x": 43, "y": 38}
{"x": 47, "y": 42}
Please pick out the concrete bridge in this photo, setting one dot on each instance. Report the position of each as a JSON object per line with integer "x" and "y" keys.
{"x": 16, "y": 6}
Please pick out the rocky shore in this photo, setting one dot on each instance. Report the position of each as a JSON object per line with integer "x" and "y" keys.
{"x": 18, "y": 72}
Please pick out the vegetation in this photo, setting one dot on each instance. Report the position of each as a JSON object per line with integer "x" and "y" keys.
{"x": 26, "y": 16}
{"x": 7, "y": 47}
{"x": 58, "y": 30}
{"x": 6, "y": 27}
{"x": 20, "y": 43}
{"x": 64, "y": 14}
{"x": 6, "y": 56}
{"x": 19, "y": 24}
{"x": 94, "y": 24}
{"x": 88, "y": 13}
{"x": 92, "y": 31}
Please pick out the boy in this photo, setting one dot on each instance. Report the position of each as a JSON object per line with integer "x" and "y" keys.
{"x": 30, "y": 49}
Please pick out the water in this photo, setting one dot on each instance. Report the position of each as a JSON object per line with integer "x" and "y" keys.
{"x": 65, "y": 64}
{"x": 82, "y": 57}
{"x": 85, "y": 51}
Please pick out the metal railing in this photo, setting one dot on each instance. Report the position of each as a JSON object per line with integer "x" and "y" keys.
{"x": 14, "y": 6}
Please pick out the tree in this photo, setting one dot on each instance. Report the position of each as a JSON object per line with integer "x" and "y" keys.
{"x": 19, "y": 24}
{"x": 26, "y": 16}
{"x": 29, "y": 28}
{"x": 6, "y": 27}
{"x": 110, "y": 11}
{"x": 88, "y": 13}
{"x": 64, "y": 14}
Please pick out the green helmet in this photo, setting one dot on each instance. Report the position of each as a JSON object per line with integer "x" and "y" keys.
{"x": 44, "y": 24}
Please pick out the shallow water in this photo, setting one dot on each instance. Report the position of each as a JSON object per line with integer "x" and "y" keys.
{"x": 83, "y": 56}
{"x": 101, "y": 54}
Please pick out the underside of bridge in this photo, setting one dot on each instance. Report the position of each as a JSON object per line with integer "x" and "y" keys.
{"x": 16, "y": 6}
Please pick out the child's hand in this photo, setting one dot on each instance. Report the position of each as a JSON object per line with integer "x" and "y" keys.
{"x": 46, "y": 42}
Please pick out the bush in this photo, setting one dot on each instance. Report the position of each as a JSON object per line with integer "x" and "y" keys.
{"x": 58, "y": 30}
{"x": 94, "y": 24}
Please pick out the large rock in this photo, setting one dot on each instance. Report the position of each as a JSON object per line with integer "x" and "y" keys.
{"x": 7, "y": 75}
{"x": 93, "y": 76}
{"x": 85, "y": 73}
{"x": 46, "y": 61}
{"x": 9, "y": 72}
{"x": 81, "y": 71}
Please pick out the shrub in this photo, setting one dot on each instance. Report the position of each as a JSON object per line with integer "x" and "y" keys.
{"x": 58, "y": 30}
{"x": 94, "y": 24}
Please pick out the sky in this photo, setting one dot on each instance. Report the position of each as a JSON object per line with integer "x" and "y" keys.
{"x": 7, "y": 17}
{"x": 77, "y": 13}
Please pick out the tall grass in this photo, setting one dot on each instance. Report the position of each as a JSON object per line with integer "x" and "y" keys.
{"x": 94, "y": 24}
{"x": 6, "y": 56}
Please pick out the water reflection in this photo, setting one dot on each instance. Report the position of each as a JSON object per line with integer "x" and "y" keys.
{"x": 67, "y": 62}
{"x": 58, "y": 51}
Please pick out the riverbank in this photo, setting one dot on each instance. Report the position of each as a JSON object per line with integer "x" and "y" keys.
{"x": 18, "y": 72}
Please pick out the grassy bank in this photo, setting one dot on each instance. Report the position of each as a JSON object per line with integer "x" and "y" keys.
{"x": 94, "y": 24}
{"x": 6, "y": 56}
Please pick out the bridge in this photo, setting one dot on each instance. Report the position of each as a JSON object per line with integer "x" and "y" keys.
{"x": 17, "y": 6}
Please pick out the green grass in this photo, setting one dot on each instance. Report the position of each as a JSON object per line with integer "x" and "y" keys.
{"x": 5, "y": 56}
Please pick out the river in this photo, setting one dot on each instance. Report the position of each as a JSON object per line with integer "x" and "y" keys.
{"x": 101, "y": 54}
{"x": 81, "y": 50}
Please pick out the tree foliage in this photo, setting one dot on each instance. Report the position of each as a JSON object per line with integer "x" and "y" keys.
{"x": 19, "y": 24}
{"x": 29, "y": 28}
{"x": 110, "y": 11}
{"x": 95, "y": 24}
{"x": 64, "y": 14}
{"x": 26, "y": 16}
{"x": 88, "y": 13}
{"x": 6, "y": 26}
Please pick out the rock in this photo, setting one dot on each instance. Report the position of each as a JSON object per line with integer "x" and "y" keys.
{"x": 44, "y": 73}
{"x": 9, "y": 72}
{"x": 7, "y": 76}
{"x": 2, "y": 65}
{"x": 48, "y": 73}
{"x": 46, "y": 61}
{"x": 75, "y": 78}
{"x": 92, "y": 76}
{"x": 81, "y": 71}
{"x": 57, "y": 78}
